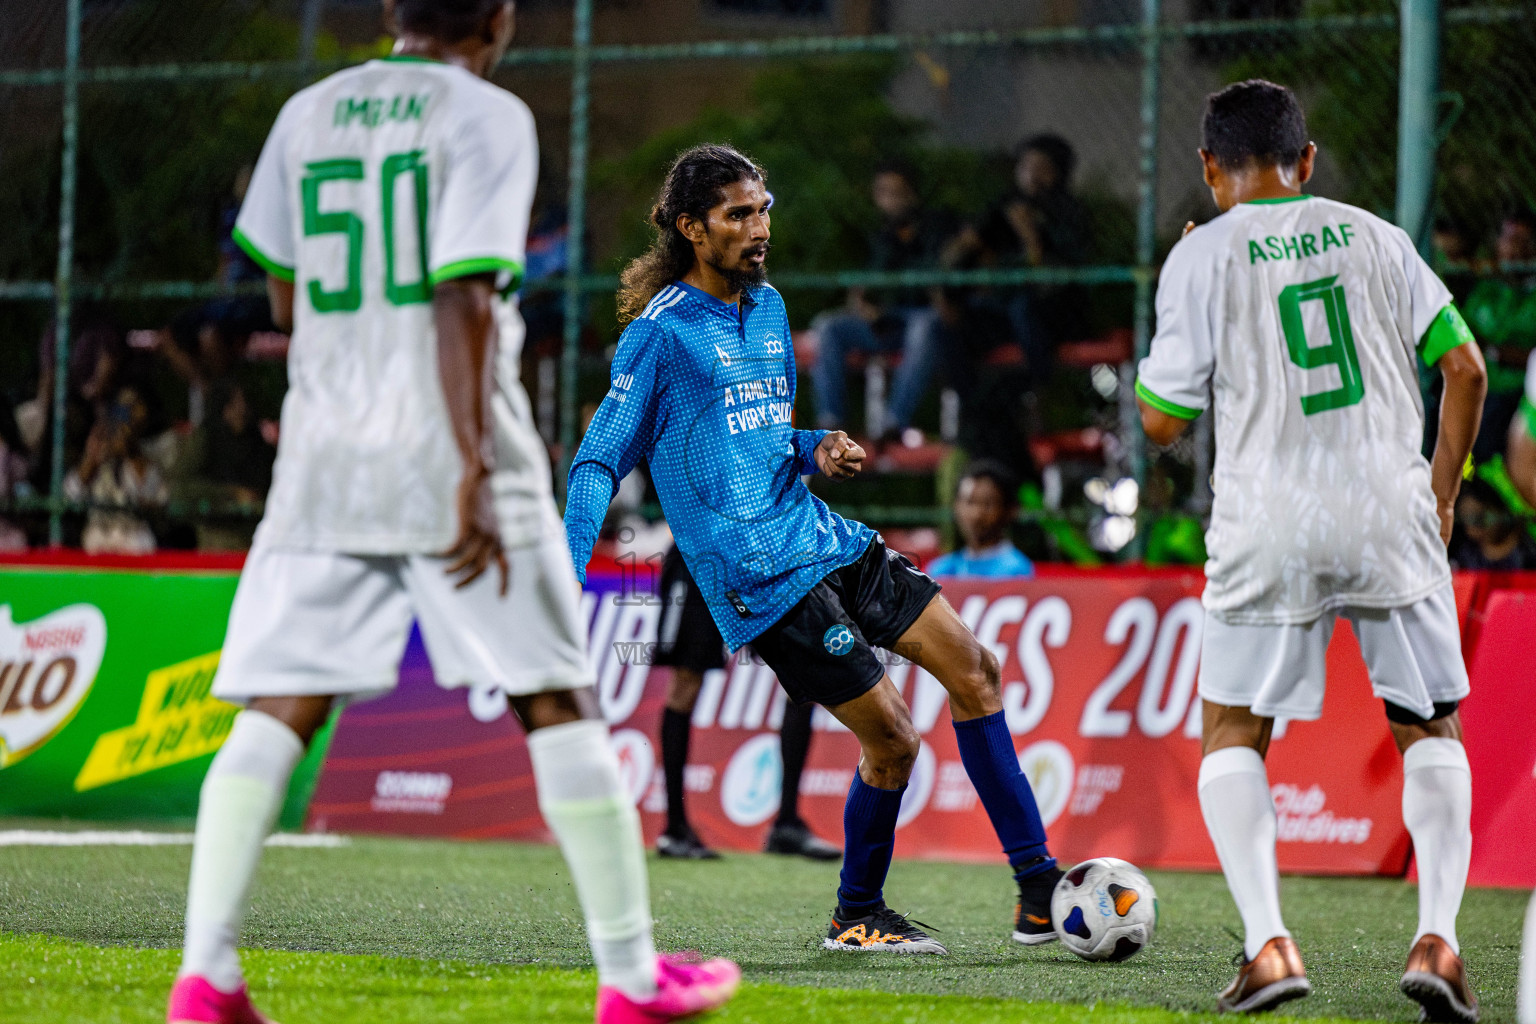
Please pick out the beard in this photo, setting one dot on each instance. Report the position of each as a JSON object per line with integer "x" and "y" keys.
{"x": 738, "y": 279}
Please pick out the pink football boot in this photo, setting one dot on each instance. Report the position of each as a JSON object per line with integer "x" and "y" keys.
{"x": 195, "y": 1001}
{"x": 686, "y": 984}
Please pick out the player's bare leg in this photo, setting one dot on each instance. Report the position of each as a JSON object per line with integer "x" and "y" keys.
{"x": 940, "y": 643}
{"x": 1240, "y": 816}
{"x": 888, "y": 745}
{"x": 585, "y": 805}
{"x": 1437, "y": 808}
{"x": 241, "y": 797}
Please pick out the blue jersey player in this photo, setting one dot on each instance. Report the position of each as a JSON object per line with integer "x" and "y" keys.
{"x": 703, "y": 388}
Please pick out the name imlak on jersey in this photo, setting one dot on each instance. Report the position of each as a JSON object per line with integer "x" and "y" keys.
{"x": 1298, "y": 247}
{"x": 372, "y": 111}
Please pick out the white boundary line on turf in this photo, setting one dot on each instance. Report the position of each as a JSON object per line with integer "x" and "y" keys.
{"x": 31, "y": 837}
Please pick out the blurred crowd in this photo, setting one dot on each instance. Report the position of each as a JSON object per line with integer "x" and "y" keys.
{"x": 178, "y": 418}
{"x": 1494, "y": 282}
{"x": 170, "y": 431}
{"x": 184, "y": 415}
{"x": 931, "y": 336}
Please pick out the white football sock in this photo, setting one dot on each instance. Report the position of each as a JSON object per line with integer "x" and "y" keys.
{"x": 241, "y": 797}
{"x": 1526, "y": 1002}
{"x": 1437, "y": 808}
{"x": 1240, "y": 816}
{"x": 577, "y": 775}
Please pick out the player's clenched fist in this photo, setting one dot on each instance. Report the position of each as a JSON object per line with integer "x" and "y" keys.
{"x": 838, "y": 457}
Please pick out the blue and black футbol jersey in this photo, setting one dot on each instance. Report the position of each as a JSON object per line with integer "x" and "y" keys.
{"x": 705, "y": 391}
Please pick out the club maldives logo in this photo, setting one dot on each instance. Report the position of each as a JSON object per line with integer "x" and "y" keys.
{"x": 47, "y": 666}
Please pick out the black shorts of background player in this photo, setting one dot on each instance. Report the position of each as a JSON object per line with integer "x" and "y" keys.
{"x": 690, "y": 644}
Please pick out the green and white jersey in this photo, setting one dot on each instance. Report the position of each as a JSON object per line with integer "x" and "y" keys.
{"x": 1298, "y": 321}
{"x": 376, "y": 184}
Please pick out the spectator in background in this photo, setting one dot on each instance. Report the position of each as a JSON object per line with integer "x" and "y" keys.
{"x": 117, "y": 479}
{"x": 1174, "y": 536}
{"x": 226, "y": 459}
{"x": 227, "y": 456}
{"x": 909, "y": 237}
{"x": 1455, "y": 248}
{"x": 203, "y": 346}
{"x": 96, "y": 365}
{"x": 1502, "y": 314}
{"x": 985, "y": 506}
{"x": 235, "y": 264}
{"x": 1039, "y": 223}
{"x": 13, "y": 473}
{"x": 1491, "y": 537}
{"x": 548, "y": 255}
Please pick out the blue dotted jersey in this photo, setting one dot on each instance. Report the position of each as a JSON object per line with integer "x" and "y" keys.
{"x": 1002, "y": 562}
{"x": 705, "y": 392}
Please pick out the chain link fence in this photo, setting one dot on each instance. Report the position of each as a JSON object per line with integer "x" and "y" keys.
{"x": 126, "y": 128}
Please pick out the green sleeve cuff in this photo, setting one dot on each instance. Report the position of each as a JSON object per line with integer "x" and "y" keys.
{"x": 266, "y": 262}
{"x": 1183, "y": 412}
{"x": 481, "y": 265}
{"x": 1528, "y": 413}
{"x": 1449, "y": 330}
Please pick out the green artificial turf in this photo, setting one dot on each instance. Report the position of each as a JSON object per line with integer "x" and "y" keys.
{"x": 44, "y": 979}
{"x": 450, "y": 917}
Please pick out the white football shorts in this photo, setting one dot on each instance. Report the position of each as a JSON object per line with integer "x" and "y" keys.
{"x": 311, "y": 623}
{"x": 1413, "y": 656}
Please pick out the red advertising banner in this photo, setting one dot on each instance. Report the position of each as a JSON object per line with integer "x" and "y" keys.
{"x": 1099, "y": 682}
{"x": 1500, "y": 742}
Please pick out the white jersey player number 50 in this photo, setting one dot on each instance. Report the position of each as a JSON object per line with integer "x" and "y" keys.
{"x": 349, "y": 299}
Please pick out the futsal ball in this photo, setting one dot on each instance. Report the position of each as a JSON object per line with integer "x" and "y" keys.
{"x": 1104, "y": 909}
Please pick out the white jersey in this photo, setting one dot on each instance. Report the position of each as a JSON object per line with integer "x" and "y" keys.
{"x": 1301, "y": 320}
{"x": 375, "y": 184}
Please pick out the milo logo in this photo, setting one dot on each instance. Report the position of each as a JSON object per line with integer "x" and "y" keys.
{"x": 46, "y": 669}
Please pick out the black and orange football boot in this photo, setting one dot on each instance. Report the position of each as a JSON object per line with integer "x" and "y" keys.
{"x": 1032, "y": 924}
{"x": 879, "y": 930}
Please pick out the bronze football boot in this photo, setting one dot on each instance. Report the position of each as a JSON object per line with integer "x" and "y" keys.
{"x": 1273, "y": 977}
{"x": 1436, "y": 979}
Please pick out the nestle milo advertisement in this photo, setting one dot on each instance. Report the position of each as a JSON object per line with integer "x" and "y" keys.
{"x": 105, "y": 710}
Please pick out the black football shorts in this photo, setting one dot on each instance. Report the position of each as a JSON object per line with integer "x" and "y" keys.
{"x": 822, "y": 649}
{"x": 687, "y": 636}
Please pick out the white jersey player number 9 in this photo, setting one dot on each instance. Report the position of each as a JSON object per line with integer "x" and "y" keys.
{"x": 1340, "y": 350}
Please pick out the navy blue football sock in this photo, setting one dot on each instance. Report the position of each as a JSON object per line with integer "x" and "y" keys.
{"x": 869, "y": 835}
{"x": 986, "y": 750}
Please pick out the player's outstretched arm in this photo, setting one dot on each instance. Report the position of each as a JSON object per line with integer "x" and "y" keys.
{"x": 619, "y": 436}
{"x": 1461, "y": 410}
{"x": 463, "y": 311}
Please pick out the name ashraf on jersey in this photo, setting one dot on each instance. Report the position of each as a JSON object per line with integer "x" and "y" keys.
{"x": 1298, "y": 247}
